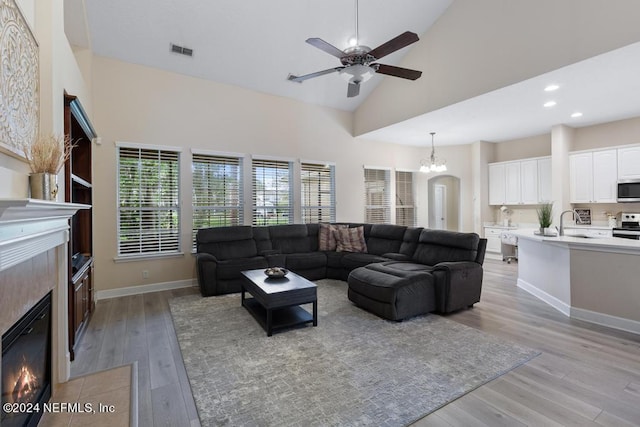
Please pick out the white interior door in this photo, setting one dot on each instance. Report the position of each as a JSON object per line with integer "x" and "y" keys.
{"x": 440, "y": 199}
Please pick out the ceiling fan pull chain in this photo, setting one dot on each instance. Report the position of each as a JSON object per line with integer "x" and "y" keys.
{"x": 357, "y": 33}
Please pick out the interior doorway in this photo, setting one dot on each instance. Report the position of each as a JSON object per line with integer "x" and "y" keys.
{"x": 444, "y": 202}
{"x": 440, "y": 206}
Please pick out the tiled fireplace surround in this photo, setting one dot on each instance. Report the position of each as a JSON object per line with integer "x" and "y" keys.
{"x": 33, "y": 261}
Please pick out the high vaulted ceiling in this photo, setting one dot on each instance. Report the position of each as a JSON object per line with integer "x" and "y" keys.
{"x": 255, "y": 44}
{"x": 251, "y": 43}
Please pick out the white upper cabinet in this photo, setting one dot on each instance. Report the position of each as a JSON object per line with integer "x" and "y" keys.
{"x": 518, "y": 182}
{"x": 605, "y": 172}
{"x": 629, "y": 163}
{"x": 496, "y": 184}
{"x": 544, "y": 180}
{"x": 529, "y": 182}
{"x": 512, "y": 194}
{"x": 581, "y": 178}
{"x": 593, "y": 177}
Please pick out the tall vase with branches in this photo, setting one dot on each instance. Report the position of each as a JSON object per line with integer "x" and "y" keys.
{"x": 46, "y": 156}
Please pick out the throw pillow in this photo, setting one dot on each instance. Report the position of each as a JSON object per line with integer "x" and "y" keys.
{"x": 326, "y": 239}
{"x": 350, "y": 240}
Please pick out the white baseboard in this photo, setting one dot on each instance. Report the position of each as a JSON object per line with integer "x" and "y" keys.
{"x": 602, "y": 319}
{"x": 614, "y": 322}
{"x": 554, "y": 302}
{"x": 144, "y": 289}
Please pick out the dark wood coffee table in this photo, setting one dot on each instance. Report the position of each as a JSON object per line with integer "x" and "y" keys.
{"x": 276, "y": 302}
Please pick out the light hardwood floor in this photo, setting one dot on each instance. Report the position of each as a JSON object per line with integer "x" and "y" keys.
{"x": 585, "y": 374}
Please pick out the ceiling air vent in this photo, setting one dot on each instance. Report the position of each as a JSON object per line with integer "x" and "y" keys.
{"x": 181, "y": 50}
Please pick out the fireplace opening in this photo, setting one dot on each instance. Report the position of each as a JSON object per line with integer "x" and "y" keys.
{"x": 26, "y": 367}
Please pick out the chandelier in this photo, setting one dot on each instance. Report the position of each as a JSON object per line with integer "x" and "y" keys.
{"x": 433, "y": 164}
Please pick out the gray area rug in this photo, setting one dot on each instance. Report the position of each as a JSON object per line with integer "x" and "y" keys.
{"x": 352, "y": 369}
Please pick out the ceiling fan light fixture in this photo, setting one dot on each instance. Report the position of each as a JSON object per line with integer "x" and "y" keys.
{"x": 357, "y": 73}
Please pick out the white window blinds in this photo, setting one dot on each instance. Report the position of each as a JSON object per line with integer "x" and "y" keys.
{"x": 318, "y": 192}
{"x": 377, "y": 196}
{"x": 405, "y": 205}
{"x": 148, "y": 201}
{"x": 217, "y": 191}
{"x": 272, "y": 192}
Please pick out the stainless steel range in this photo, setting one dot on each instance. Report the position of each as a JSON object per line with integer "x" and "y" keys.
{"x": 629, "y": 226}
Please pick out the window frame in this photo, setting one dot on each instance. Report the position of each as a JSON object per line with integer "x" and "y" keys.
{"x": 400, "y": 204}
{"x": 321, "y": 184}
{"x": 273, "y": 213}
{"x": 173, "y": 155}
{"x": 225, "y": 159}
{"x": 385, "y": 206}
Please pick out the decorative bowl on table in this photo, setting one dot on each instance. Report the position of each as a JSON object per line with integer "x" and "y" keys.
{"x": 276, "y": 272}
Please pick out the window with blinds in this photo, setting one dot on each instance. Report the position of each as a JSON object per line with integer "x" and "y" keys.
{"x": 272, "y": 192}
{"x": 405, "y": 205}
{"x": 148, "y": 201}
{"x": 377, "y": 183}
{"x": 217, "y": 191}
{"x": 318, "y": 192}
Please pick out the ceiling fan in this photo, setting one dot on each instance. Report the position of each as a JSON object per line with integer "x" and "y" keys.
{"x": 359, "y": 62}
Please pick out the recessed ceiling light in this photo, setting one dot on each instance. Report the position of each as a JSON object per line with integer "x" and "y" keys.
{"x": 551, "y": 88}
{"x": 549, "y": 104}
{"x": 576, "y": 114}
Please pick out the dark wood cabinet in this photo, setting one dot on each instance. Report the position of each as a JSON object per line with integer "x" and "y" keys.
{"x": 79, "y": 189}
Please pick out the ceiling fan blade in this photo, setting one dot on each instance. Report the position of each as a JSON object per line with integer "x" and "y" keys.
{"x": 300, "y": 79}
{"x": 404, "y": 39}
{"x": 324, "y": 46}
{"x": 391, "y": 70}
{"x": 353, "y": 90}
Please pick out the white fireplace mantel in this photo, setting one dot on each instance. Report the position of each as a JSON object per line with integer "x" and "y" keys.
{"x": 29, "y": 227}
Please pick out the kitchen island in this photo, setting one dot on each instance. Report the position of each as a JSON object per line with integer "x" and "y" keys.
{"x": 592, "y": 279}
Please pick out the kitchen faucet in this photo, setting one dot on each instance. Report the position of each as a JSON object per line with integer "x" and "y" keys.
{"x": 576, "y": 218}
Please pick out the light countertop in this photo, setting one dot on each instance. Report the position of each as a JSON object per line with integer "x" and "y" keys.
{"x": 604, "y": 244}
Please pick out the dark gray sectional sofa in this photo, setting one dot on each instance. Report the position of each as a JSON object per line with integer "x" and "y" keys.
{"x": 405, "y": 271}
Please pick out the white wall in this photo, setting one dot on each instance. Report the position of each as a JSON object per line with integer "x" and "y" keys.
{"x": 138, "y": 104}
{"x": 473, "y": 50}
{"x": 59, "y": 72}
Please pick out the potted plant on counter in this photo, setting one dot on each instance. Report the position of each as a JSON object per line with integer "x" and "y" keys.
{"x": 46, "y": 156}
{"x": 545, "y": 217}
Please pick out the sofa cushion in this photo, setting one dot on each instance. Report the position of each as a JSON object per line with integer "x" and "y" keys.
{"x": 350, "y": 240}
{"x": 334, "y": 259}
{"x": 436, "y": 246}
{"x": 305, "y": 261}
{"x": 227, "y": 242}
{"x": 381, "y": 284}
{"x": 231, "y": 268}
{"x": 359, "y": 259}
{"x": 326, "y": 239}
{"x": 290, "y": 238}
{"x": 385, "y": 238}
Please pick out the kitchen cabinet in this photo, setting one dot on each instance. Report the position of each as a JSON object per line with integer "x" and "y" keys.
{"x": 518, "y": 182}
{"x": 544, "y": 180}
{"x": 492, "y": 234}
{"x": 629, "y": 163}
{"x": 529, "y": 182}
{"x": 513, "y": 192}
{"x": 496, "y": 184}
{"x": 593, "y": 177}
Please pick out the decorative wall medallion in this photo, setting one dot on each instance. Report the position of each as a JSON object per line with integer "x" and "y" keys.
{"x": 19, "y": 79}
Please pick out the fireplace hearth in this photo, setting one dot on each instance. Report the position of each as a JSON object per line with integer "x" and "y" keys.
{"x": 26, "y": 367}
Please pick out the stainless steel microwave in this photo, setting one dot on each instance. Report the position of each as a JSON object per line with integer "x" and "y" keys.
{"x": 629, "y": 190}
